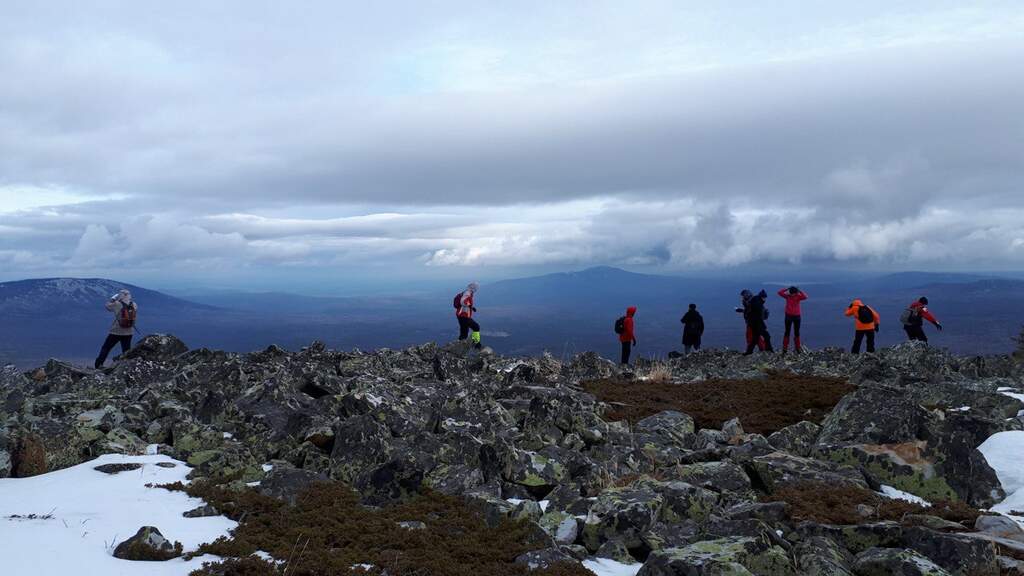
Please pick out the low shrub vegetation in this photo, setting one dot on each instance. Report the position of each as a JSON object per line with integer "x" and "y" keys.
{"x": 830, "y": 504}
{"x": 328, "y": 531}
{"x": 764, "y": 405}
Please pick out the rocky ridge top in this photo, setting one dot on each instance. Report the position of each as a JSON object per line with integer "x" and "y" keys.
{"x": 520, "y": 437}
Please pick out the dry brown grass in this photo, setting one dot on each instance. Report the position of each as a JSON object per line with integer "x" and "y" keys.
{"x": 763, "y": 405}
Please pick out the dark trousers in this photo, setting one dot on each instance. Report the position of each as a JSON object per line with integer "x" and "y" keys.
{"x": 757, "y": 334}
{"x": 108, "y": 345}
{"x": 465, "y": 325}
{"x": 916, "y": 333}
{"x": 792, "y": 324}
{"x": 861, "y": 334}
{"x": 627, "y": 348}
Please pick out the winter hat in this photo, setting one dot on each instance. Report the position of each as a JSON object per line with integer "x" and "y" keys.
{"x": 693, "y": 306}
{"x": 923, "y": 300}
{"x": 473, "y": 287}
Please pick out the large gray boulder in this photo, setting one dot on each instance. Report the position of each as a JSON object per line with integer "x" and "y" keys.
{"x": 724, "y": 556}
{"x": 892, "y": 561}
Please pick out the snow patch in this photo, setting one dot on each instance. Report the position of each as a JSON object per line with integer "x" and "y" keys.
{"x": 82, "y": 514}
{"x": 1004, "y": 452}
{"x": 896, "y": 494}
{"x": 1011, "y": 392}
{"x": 608, "y": 567}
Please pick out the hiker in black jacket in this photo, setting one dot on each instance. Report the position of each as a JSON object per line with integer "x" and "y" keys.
{"x": 693, "y": 329}
{"x": 754, "y": 314}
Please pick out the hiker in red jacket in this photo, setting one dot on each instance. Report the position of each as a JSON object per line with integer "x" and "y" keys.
{"x": 913, "y": 320}
{"x": 464, "y": 310}
{"x": 627, "y": 337}
{"x": 794, "y": 296}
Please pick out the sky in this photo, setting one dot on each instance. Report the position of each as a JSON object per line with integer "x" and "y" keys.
{"x": 331, "y": 145}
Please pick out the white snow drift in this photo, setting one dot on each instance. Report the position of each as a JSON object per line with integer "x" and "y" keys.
{"x": 81, "y": 514}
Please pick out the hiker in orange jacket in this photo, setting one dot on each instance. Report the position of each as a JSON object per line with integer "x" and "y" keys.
{"x": 866, "y": 321}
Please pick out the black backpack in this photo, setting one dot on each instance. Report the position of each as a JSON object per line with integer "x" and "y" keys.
{"x": 909, "y": 317}
{"x": 865, "y": 315}
{"x": 620, "y": 325}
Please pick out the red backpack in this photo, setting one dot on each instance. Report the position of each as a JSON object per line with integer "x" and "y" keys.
{"x": 458, "y": 301}
{"x": 126, "y": 317}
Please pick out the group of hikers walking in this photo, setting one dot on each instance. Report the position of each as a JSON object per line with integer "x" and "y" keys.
{"x": 752, "y": 306}
{"x": 754, "y": 309}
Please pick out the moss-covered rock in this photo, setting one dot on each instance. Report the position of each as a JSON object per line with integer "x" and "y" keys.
{"x": 721, "y": 557}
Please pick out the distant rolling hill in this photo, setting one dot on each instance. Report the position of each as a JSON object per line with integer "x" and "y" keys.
{"x": 562, "y": 313}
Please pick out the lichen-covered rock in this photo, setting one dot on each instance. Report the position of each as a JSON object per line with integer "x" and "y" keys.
{"x": 797, "y": 439}
{"x": 542, "y": 559}
{"x": 718, "y": 476}
{"x": 156, "y": 348}
{"x": 779, "y": 469}
{"x": 958, "y": 554}
{"x": 857, "y": 537}
{"x": 674, "y": 426}
{"x": 621, "y": 514}
{"x": 724, "y": 556}
{"x": 819, "y": 556}
{"x": 285, "y": 483}
{"x": 890, "y": 561}
{"x": 148, "y": 544}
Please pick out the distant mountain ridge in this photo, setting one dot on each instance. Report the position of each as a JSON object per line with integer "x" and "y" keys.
{"x": 562, "y": 312}
{"x": 64, "y": 295}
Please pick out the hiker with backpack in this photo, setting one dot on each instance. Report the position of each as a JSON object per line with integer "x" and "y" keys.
{"x": 624, "y": 327}
{"x": 866, "y": 321}
{"x": 755, "y": 316}
{"x": 745, "y": 296}
{"x": 464, "y": 310}
{"x": 913, "y": 320}
{"x": 693, "y": 329}
{"x": 794, "y": 296}
{"x": 125, "y": 312}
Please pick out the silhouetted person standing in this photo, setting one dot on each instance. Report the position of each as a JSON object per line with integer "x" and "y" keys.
{"x": 794, "y": 296}
{"x": 755, "y": 317}
{"x": 121, "y": 331}
{"x": 625, "y": 328}
{"x": 866, "y": 321}
{"x": 913, "y": 320}
{"x": 693, "y": 329}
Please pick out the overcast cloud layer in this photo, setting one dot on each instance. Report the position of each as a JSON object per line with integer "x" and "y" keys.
{"x": 252, "y": 139}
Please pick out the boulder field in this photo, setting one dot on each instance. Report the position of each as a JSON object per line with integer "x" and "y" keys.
{"x": 522, "y": 438}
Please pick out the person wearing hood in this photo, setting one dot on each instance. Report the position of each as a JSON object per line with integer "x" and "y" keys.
{"x": 866, "y": 321}
{"x": 464, "y": 309}
{"x": 121, "y": 331}
{"x": 627, "y": 337}
{"x": 913, "y": 320}
{"x": 794, "y": 296}
{"x": 693, "y": 329}
{"x": 755, "y": 315}
{"x": 745, "y": 296}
